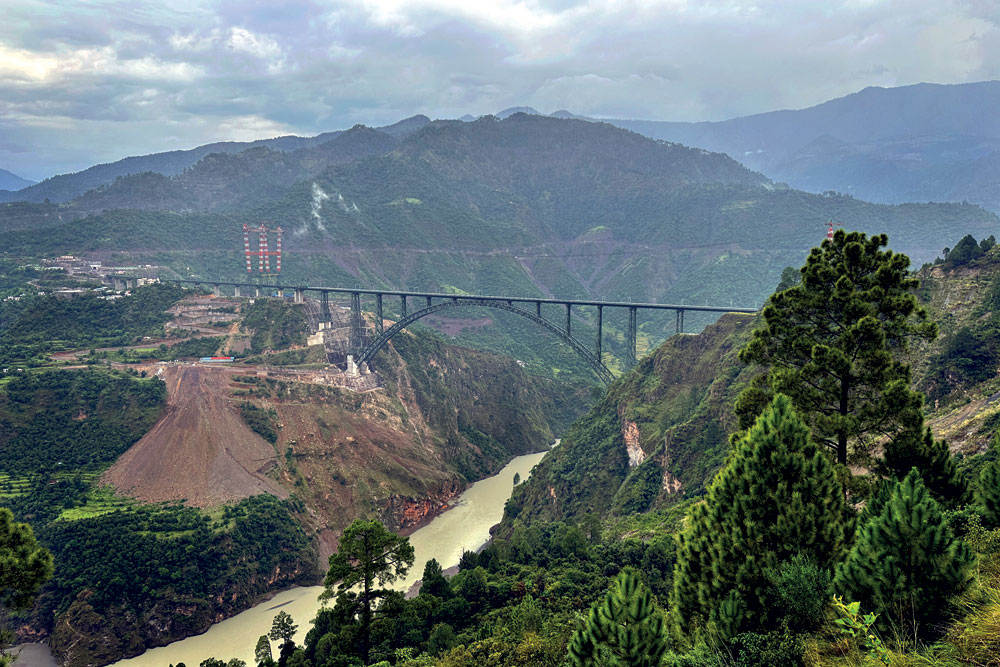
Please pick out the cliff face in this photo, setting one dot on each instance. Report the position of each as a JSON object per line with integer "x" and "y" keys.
{"x": 85, "y": 636}
{"x": 958, "y": 372}
{"x": 658, "y": 435}
{"x": 662, "y": 430}
{"x": 446, "y": 416}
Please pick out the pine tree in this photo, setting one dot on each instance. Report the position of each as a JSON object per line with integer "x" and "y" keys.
{"x": 433, "y": 581}
{"x": 262, "y": 651}
{"x": 833, "y": 344}
{"x": 777, "y": 497}
{"x": 624, "y": 629}
{"x": 933, "y": 461}
{"x": 989, "y": 493}
{"x": 368, "y": 554}
{"x": 906, "y": 563}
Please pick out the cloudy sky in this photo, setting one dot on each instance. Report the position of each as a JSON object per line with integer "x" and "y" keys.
{"x": 87, "y": 81}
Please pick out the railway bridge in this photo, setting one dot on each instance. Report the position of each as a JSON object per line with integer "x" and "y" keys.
{"x": 416, "y": 305}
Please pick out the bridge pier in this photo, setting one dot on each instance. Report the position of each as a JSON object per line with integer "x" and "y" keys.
{"x": 378, "y": 315}
{"x": 569, "y": 319}
{"x": 538, "y": 308}
{"x": 402, "y": 301}
{"x": 300, "y": 296}
{"x": 600, "y": 324}
{"x": 680, "y": 320}
{"x": 324, "y": 307}
{"x": 357, "y": 332}
{"x": 257, "y": 291}
{"x": 430, "y": 302}
{"x": 236, "y": 291}
{"x": 630, "y": 338}
{"x": 217, "y": 290}
{"x": 117, "y": 284}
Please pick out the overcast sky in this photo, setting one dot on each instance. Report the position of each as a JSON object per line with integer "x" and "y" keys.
{"x": 83, "y": 82}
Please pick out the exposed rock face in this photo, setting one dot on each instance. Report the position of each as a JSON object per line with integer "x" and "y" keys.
{"x": 410, "y": 513}
{"x": 630, "y": 433}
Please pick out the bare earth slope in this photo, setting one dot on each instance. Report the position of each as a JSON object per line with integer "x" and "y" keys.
{"x": 201, "y": 451}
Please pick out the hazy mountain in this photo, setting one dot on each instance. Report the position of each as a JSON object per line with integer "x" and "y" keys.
{"x": 233, "y": 180}
{"x": 406, "y": 126}
{"x": 513, "y": 110}
{"x": 10, "y": 181}
{"x": 913, "y": 143}
{"x": 528, "y": 205}
{"x": 65, "y": 187}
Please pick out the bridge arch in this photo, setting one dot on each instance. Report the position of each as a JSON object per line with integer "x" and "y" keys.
{"x": 368, "y": 353}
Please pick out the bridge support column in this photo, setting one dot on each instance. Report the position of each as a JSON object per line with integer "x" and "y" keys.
{"x": 300, "y": 296}
{"x": 600, "y": 325}
{"x": 569, "y": 319}
{"x": 236, "y": 291}
{"x": 402, "y": 301}
{"x": 357, "y": 332}
{"x": 217, "y": 290}
{"x": 257, "y": 291}
{"x": 538, "y": 308}
{"x": 378, "y": 314}
{"x": 324, "y": 308}
{"x": 680, "y": 320}
{"x": 630, "y": 337}
{"x": 430, "y": 302}
{"x": 117, "y": 284}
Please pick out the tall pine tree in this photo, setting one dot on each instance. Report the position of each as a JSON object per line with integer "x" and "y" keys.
{"x": 989, "y": 493}
{"x": 624, "y": 629}
{"x": 777, "y": 497}
{"x": 932, "y": 459}
{"x": 906, "y": 563}
{"x": 834, "y": 344}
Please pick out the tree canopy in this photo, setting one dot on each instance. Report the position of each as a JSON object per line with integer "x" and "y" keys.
{"x": 833, "y": 343}
{"x": 368, "y": 553}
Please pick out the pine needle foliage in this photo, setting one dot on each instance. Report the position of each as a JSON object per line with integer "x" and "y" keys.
{"x": 833, "y": 343}
{"x": 906, "y": 563}
{"x": 989, "y": 493}
{"x": 776, "y": 498}
{"x": 623, "y": 629}
{"x": 935, "y": 463}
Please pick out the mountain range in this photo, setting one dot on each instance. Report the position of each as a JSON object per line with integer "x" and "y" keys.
{"x": 925, "y": 142}
{"x": 528, "y": 204}
{"x": 10, "y": 181}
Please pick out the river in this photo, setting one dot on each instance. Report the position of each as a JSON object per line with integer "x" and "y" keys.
{"x": 465, "y": 527}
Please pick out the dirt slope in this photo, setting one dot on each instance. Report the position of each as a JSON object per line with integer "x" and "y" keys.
{"x": 201, "y": 451}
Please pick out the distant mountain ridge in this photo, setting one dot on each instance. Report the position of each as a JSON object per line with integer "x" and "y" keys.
{"x": 924, "y": 142}
{"x": 11, "y": 181}
{"x": 529, "y": 204}
{"x": 65, "y": 187}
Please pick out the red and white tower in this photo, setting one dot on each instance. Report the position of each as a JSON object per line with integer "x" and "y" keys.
{"x": 246, "y": 246}
{"x": 829, "y": 231}
{"x": 263, "y": 252}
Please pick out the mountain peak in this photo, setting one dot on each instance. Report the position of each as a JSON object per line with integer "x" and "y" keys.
{"x": 11, "y": 181}
{"x": 510, "y": 111}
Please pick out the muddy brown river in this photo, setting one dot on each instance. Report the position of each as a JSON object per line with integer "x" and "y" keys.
{"x": 465, "y": 527}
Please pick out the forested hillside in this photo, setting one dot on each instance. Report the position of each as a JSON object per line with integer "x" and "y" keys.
{"x": 527, "y": 205}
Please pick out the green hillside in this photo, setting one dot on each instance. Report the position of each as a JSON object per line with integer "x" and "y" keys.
{"x": 527, "y": 205}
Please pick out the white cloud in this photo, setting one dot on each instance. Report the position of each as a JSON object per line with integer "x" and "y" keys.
{"x": 238, "y": 69}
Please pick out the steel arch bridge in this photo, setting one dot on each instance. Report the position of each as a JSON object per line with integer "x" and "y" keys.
{"x": 365, "y": 350}
{"x": 371, "y": 349}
